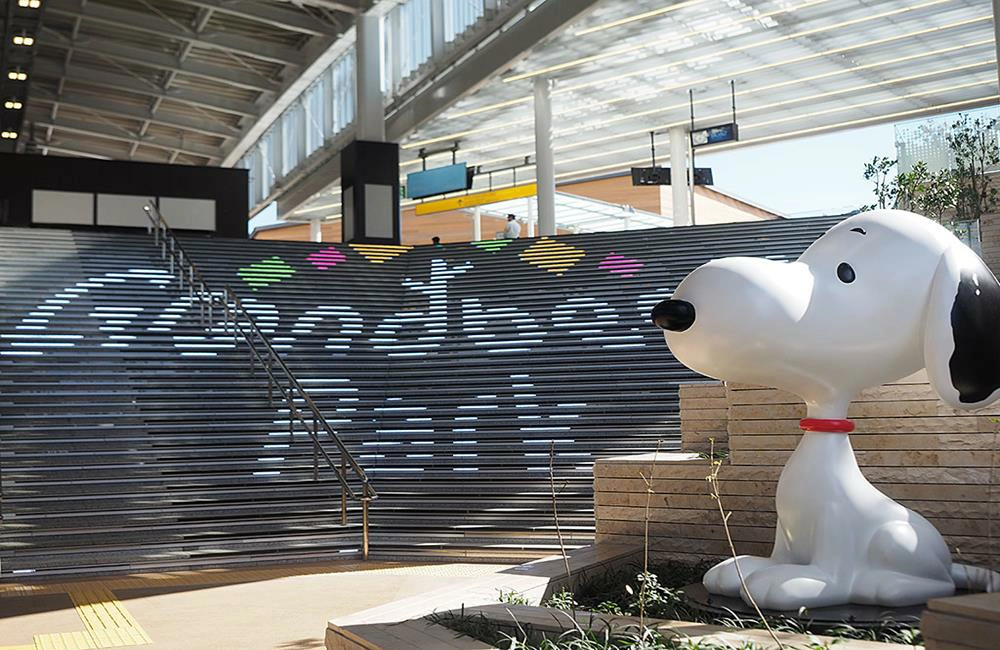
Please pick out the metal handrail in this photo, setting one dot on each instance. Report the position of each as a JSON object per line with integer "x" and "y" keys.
{"x": 235, "y": 316}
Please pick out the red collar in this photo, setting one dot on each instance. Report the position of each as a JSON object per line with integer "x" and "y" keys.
{"x": 826, "y": 426}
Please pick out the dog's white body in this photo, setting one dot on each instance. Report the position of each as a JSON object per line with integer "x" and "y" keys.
{"x": 911, "y": 296}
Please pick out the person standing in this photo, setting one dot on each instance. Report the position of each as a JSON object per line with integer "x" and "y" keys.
{"x": 513, "y": 228}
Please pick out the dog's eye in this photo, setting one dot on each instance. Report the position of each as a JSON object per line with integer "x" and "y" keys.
{"x": 845, "y": 273}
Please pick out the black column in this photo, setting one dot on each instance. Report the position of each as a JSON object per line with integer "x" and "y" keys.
{"x": 369, "y": 180}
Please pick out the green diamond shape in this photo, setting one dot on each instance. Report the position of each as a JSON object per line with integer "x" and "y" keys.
{"x": 266, "y": 272}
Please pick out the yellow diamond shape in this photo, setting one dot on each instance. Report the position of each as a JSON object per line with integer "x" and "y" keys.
{"x": 380, "y": 253}
{"x": 553, "y": 256}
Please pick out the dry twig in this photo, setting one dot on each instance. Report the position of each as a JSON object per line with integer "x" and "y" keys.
{"x": 555, "y": 512}
{"x": 713, "y": 481}
{"x": 645, "y": 535}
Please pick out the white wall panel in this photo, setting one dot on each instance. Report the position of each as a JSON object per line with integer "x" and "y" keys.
{"x": 74, "y": 208}
{"x": 122, "y": 210}
{"x": 188, "y": 214}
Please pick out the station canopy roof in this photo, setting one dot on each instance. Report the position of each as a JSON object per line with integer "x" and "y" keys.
{"x": 799, "y": 67}
{"x": 169, "y": 80}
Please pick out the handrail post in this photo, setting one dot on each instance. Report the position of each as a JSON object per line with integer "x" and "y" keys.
{"x": 343, "y": 490}
{"x": 364, "y": 523}
{"x": 315, "y": 438}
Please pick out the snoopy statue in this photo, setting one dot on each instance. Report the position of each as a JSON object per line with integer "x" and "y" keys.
{"x": 878, "y": 297}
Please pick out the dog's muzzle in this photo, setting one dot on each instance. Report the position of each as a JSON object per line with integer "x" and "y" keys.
{"x": 673, "y": 315}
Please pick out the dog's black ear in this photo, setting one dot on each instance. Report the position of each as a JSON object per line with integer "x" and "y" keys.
{"x": 962, "y": 330}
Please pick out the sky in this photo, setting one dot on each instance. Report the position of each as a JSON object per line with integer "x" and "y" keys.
{"x": 816, "y": 175}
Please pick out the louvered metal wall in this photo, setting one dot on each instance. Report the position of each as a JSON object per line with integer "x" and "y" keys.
{"x": 131, "y": 438}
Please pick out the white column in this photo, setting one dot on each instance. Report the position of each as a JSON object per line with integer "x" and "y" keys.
{"x": 678, "y": 175}
{"x": 371, "y": 111}
{"x": 477, "y": 224}
{"x": 531, "y": 217}
{"x": 544, "y": 159}
{"x": 691, "y": 185}
{"x": 315, "y": 230}
{"x": 437, "y": 28}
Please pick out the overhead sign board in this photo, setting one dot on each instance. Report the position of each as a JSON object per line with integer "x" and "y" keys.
{"x": 440, "y": 180}
{"x": 715, "y": 134}
{"x": 479, "y": 198}
{"x": 661, "y": 176}
{"x": 650, "y": 176}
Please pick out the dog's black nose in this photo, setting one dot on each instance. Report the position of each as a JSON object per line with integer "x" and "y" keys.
{"x": 673, "y": 315}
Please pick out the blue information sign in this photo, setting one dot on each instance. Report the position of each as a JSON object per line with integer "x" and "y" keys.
{"x": 439, "y": 180}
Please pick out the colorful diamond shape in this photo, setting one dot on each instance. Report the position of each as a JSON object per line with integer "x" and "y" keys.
{"x": 553, "y": 256}
{"x": 266, "y": 272}
{"x": 324, "y": 259}
{"x": 625, "y": 266}
{"x": 492, "y": 245}
{"x": 380, "y": 253}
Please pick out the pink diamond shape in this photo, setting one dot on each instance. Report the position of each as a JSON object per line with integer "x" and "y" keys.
{"x": 625, "y": 266}
{"x": 326, "y": 258}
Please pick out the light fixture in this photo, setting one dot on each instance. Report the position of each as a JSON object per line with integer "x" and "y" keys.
{"x": 12, "y": 104}
{"x": 713, "y": 55}
{"x": 317, "y": 208}
{"x": 9, "y": 135}
{"x": 17, "y": 75}
{"x": 657, "y": 41}
{"x": 23, "y": 39}
{"x": 29, "y": 4}
{"x": 637, "y": 17}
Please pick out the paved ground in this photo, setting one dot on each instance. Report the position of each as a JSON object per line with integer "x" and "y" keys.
{"x": 283, "y": 608}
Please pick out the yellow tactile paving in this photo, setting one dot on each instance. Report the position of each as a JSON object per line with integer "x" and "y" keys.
{"x": 63, "y": 641}
{"x": 108, "y": 623}
{"x": 105, "y": 617}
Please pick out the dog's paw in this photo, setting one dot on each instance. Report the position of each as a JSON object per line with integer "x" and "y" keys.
{"x": 724, "y": 580}
{"x": 789, "y": 587}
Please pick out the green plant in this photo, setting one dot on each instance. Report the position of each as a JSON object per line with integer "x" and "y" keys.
{"x": 931, "y": 194}
{"x": 653, "y": 598}
{"x": 562, "y": 600}
{"x": 716, "y": 454}
{"x": 973, "y": 143}
{"x": 512, "y": 597}
{"x": 886, "y": 631}
{"x": 878, "y": 171}
{"x": 609, "y": 607}
{"x": 476, "y": 625}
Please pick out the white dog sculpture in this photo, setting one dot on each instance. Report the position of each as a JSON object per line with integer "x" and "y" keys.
{"x": 878, "y": 297}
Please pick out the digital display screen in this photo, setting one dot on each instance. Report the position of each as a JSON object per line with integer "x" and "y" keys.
{"x": 715, "y": 134}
